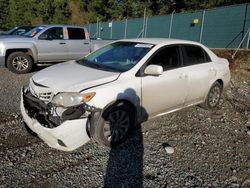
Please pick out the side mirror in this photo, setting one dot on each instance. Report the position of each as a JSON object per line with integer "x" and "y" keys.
{"x": 154, "y": 70}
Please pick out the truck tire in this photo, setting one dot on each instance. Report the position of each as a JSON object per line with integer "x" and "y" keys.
{"x": 19, "y": 63}
{"x": 213, "y": 96}
{"x": 113, "y": 125}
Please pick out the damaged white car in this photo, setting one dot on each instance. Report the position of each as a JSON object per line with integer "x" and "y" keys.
{"x": 111, "y": 90}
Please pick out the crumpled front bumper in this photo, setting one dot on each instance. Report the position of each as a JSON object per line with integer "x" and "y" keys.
{"x": 68, "y": 136}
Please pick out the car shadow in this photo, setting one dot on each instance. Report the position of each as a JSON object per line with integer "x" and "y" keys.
{"x": 38, "y": 68}
{"x": 125, "y": 162}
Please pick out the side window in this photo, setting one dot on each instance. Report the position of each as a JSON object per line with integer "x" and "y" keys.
{"x": 76, "y": 33}
{"x": 54, "y": 33}
{"x": 167, "y": 57}
{"x": 194, "y": 55}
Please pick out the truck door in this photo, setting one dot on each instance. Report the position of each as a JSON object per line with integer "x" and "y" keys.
{"x": 51, "y": 45}
{"x": 78, "y": 45}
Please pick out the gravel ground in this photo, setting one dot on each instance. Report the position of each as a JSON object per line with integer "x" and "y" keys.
{"x": 189, "y": 148}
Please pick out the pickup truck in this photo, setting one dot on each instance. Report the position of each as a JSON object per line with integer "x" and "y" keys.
{"x": 46, "y": 44}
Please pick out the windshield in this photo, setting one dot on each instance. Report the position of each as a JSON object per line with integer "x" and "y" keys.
{"x": 19, "y": 30}
{"x": 11, "y": 31}
{"x": 34, "y": 32}
{"x": 118, "y": 57}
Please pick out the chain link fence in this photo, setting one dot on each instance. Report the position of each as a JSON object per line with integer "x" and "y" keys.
{"x": 224, "y": 27}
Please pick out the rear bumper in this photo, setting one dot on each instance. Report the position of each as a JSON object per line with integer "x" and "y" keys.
{"x": 2, "y": 61}
{"x": 68, "y": 136}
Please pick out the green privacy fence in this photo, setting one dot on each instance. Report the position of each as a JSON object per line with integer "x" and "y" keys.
{"x": 226, "y": 27}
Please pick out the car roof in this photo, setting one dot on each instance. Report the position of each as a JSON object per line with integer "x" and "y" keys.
{"x": 158, "y": 41}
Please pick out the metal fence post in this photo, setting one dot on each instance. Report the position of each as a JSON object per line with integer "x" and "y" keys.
{"x": 146, "y": 27}
{"x": 247, "y": 33}
{"x": 89, "y": 29}
{"x": 96, "y": 33}
{"x": 248, "y": 40}
{"x": 202, "y": 25}
{"x": 171, "y": 22}
{"x": 111, "y": 30}
{"x": 99, "y": 32}
{"x": 125, "y": 30}
{"x": 143, "y": 25}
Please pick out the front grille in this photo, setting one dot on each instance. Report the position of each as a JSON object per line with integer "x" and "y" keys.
{"x": 41, "y": 92}
{"x": 46, "y": 97}
{"x": 39, "y": 110}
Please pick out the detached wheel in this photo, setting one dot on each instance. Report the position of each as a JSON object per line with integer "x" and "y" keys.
{"x": 19, "y": 62}
{"x": 113, "y": 125}
{"x": 213, "y": 97}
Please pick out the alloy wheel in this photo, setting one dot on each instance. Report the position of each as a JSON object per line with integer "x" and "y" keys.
{"x": 20, "y": 63}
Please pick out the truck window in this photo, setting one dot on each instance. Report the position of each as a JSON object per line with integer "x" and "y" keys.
{"x": 54, "y": 33}
{"x": 76, "y": 33}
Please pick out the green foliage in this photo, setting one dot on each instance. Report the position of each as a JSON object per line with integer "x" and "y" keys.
{"x": 3, "y": 14}
{"x": 35, "y": 12}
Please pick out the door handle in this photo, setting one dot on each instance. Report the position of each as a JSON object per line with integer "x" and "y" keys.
{"x": 62, "y": 43}
{"x": 86, "y": 43}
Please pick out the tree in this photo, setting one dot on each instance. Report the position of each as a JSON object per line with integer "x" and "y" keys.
{"x": 21, "y": 12}
{"x": 4, "y": 14}
{"x": 77, "y": 12}
{"x": 35, "y": 12}
{"x": 61, "y": 12}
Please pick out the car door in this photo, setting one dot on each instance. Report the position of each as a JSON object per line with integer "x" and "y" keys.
{"x": 167, "y": 91}
{"x": 78, "y": 45}
{"x": 51, "y": 45}
{"x": 199, "y": 72}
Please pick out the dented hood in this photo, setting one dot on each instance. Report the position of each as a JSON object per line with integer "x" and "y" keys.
{"x": 72, "y": 77}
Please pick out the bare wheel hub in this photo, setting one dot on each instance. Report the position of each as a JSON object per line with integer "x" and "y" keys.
{"x": 116, "y": 126}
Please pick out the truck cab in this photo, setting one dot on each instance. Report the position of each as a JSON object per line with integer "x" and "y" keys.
{"x": 46, "y": 44}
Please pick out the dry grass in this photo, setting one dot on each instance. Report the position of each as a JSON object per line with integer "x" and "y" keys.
{"x": 240, "y": 65}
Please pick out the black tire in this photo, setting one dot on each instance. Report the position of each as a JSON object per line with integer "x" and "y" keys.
{"x": 213, "y": 97}
{"x": 113, "y": 125}
{"x": 19, "y": 63}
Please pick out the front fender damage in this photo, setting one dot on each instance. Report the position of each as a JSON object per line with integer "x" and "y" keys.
{"x": 59, "y": 125}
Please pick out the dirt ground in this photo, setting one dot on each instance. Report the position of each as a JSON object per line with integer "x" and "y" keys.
{"x": 189, "y": 148}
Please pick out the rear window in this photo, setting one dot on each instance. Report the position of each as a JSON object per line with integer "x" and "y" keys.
{"x": 76, "y": 33}
{"x": 194, "y": 55}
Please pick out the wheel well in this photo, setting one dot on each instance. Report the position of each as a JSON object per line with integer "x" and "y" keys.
{"x": 126, "y": 102}
{"x": 10, "y": 51}
{"x": 220, "y": 82}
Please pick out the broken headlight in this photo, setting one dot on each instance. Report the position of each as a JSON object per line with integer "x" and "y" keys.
{"x": 72, "y": 99}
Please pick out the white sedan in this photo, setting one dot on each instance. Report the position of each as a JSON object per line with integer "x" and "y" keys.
{"x": 113, "y": 89}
